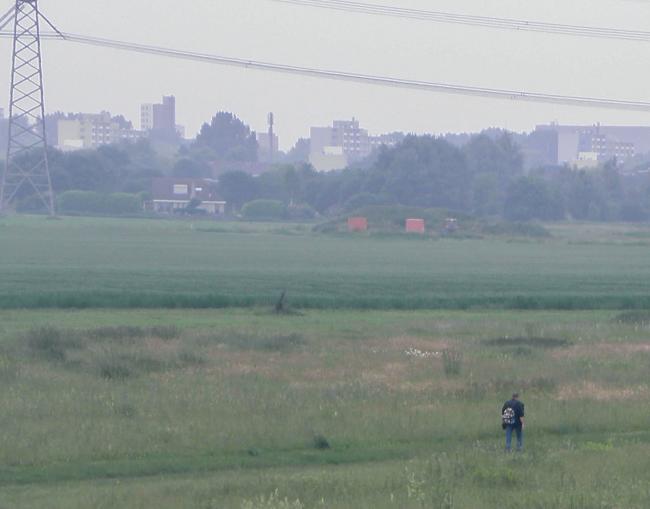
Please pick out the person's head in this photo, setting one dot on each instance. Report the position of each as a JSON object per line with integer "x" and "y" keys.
{"x": 515, "y": 395}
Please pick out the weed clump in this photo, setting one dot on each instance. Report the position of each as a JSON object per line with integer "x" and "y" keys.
{"x": 496, "y": 476}
{"x": 129, "y": 332}
{"x": 118, "y": 332}
{"x": 640, "y": 318}
{"x": 51, "y": 343}
{"x": 167, "y": 332}
{"x": 527, "y": 341}
{"x": 537, "y": 384}
{"x": 452, "y": 361}
{"x": 114, "y": 368}
{"x": 272, "y": 502}
{"x": 281, "y": 343}
{"x": 321, "y": 443}
{"x": 9, "y": 368}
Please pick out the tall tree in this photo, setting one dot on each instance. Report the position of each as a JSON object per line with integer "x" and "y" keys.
{"x": 237, "y": 188}
{"x": 530, "y": 198}
{"x": 424, "y": 171}
{"x": 228, "y": 138}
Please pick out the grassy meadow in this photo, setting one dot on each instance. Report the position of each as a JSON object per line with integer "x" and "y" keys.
{"x": 221, "y": 408}
{"x": 142, "y": 366}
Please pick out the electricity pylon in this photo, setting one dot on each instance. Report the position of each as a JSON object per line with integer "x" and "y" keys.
{"x": 26, "y": 166}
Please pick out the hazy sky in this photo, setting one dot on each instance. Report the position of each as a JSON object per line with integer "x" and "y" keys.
{"x": 89, "y": 79}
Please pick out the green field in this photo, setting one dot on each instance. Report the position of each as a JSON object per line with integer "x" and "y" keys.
{"x": 381, "y": 389}
{"x": 77, "y": 263}
{"x": 215, "y": 409}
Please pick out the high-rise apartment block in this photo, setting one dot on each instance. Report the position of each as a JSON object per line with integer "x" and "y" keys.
{"x": 589, "y": 145}
{"x": 334, "y": 148}
{"x": 159, "y": 117}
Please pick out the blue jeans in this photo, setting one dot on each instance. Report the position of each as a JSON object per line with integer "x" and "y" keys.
{"x": 520, "y": 437}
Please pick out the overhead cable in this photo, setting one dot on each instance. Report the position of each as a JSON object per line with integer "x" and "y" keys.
{"x": 471, "y": 20}
{"x": 388, "y": 81}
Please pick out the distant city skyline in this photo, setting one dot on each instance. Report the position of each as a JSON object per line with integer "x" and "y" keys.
{"x": 263, "y": 30}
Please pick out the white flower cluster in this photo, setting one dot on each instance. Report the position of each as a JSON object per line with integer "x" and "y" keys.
{"x": 420, "y": 354}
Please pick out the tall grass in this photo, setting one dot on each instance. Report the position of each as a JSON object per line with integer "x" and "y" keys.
{"x": 326, "y": 408}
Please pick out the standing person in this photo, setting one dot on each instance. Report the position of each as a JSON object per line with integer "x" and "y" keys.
{"x": 512, "y": 416}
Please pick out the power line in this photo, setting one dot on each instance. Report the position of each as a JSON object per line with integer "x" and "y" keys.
{"x": 388, "y": 81}
{"x": 471, "y": 20}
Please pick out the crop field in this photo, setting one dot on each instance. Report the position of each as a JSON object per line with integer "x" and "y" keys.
{"x": 80, "y": 262}
{"x": 338, "y": 409}
{"x": 142, "y": 365}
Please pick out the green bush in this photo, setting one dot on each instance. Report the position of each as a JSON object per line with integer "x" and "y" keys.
{"x": 264, "y": 209}
{"x": 90, "y": 202}
{"x": 301, "y": 212}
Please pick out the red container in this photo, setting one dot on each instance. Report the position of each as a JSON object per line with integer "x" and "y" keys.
{"x": 415, "y": 226}
{"x": 358, "y": 224}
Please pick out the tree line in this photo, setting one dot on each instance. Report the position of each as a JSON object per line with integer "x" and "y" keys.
{"x": 485, "y": 176}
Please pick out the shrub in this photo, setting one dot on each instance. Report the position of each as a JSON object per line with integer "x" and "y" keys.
{"x": 120, "y": 366}
{"x": 264, "y": 209}
{"x": 190, "y": 358}
{"x": 321, "y": 443}
{"x": 90, "y": 202}
{"x": 301, "y": 212}
{"x": 51, "y": 343}
{"x": 114, "y": 368}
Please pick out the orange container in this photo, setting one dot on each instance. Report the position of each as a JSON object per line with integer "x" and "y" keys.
{"x": 415, "y": 226}
{"x": 358, "y": 224}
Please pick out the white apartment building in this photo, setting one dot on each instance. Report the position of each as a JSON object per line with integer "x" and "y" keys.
{"x": 91, "y": 130}
{"x": 334, "y": 148}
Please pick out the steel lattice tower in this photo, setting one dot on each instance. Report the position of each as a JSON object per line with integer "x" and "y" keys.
{"x": 27, "y": 167}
